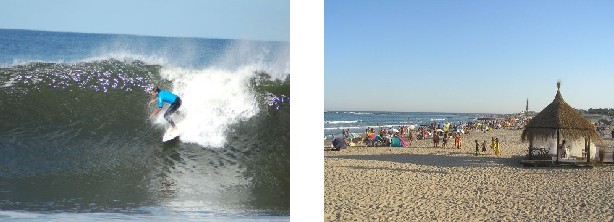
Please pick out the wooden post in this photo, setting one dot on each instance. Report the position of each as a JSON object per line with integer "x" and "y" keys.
{"x": 586, "y": 146}
{"x": 588, "y": 150}
{"x": 531, "y": 149}
{"x": 557, "y": 146}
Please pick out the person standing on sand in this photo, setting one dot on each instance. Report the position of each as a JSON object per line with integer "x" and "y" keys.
{"x": 483, "y": 146}
{"x": 435, "y": 139}
{"x": 613, "y": 134}
{"x": 562, "y": 150}
{"x": 445, "y": 140}
{"x": 477, "y": 147}
{"x": 497, "y": 150}
{"x": 456, "y": 140}
{"x": 411, "y": 137}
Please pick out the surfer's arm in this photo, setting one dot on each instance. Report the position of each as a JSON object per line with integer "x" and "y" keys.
{"x": 152, "y": 100}
{"x": 155, "y": 112}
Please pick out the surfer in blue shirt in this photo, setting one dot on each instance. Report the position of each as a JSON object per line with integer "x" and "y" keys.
{"x": 162, "y": 97}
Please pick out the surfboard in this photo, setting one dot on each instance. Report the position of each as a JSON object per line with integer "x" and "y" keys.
{"x": 171, "y": 134}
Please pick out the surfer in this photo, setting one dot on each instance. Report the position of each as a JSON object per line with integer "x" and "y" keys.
{"x": 165, "y": 97}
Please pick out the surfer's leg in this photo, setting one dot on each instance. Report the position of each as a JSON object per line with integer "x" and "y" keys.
{"x": 176, "y": 106}
{"x": 167, "y": 116}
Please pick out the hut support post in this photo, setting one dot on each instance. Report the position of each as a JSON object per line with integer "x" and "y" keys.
{"x": 587, "y": 149}
{"x": 558, "y": 146}
{"x": 531, "y": 149}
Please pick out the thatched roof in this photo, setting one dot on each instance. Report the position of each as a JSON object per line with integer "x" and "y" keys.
{"x": 560, "y": 116}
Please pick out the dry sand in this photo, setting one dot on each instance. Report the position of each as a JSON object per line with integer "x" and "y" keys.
{"x": 422, "y": 183}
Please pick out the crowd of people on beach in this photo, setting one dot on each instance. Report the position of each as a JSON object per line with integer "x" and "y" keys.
{"x": 441, "y": 134}
{"x": 444, "y": 137}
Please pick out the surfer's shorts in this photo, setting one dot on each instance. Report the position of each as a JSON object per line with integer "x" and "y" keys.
{"x": 174, "y": 106}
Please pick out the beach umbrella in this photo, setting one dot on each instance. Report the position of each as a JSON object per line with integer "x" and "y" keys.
{"x": 560, "y": 119}
{"x": 394, "y": 130}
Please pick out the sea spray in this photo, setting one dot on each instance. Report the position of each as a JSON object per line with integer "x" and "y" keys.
{"x": 219, "y": 95}
{"x": 213, "y": 99}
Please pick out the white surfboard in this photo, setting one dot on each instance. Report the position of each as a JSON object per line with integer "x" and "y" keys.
{"x": 171, "y": 134}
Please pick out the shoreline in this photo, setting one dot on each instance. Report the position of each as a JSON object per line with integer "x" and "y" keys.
{"x": 334, "y": 129}
{"x": 425, "y": 183}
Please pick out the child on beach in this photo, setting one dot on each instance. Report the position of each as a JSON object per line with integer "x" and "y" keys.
{"x": 477, "y": 147}
{"x": 435, "y": 139}
{"x": 484, "y": 146}
{"x": 457, "y": 140}
{"x": 496, "y": 147}
{"x": 445, "y": 140}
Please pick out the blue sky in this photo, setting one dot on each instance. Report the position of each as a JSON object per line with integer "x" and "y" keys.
{"x": 467, "y": 56}
{"x": 227, "y": 19}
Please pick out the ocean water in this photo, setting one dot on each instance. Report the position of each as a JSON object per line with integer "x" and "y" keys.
{"x": 76, "y": 142}
{"x": 358, "y": 121}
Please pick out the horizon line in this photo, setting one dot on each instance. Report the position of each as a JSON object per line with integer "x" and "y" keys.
{"x": 414, "y": 112}
{"x": 139, "y": 35}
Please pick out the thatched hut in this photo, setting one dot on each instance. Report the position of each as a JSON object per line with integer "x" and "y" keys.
{"x": 559, "y": 120}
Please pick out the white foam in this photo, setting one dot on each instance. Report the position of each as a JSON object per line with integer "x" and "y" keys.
{"x": 216, "y": 97}
{"x": 341, "y": 122}
{"x": 212, "y": 100}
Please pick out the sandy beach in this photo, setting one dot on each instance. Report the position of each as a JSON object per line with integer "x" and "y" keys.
{"x": 422, "y": 183}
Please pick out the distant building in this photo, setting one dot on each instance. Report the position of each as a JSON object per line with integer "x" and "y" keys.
{"x": 528, "y": 112}
{"x": 601, "y": 111}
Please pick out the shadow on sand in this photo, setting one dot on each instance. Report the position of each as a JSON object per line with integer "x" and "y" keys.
{"x": 442, "y": 159}
{"x": 398, "y": 170}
